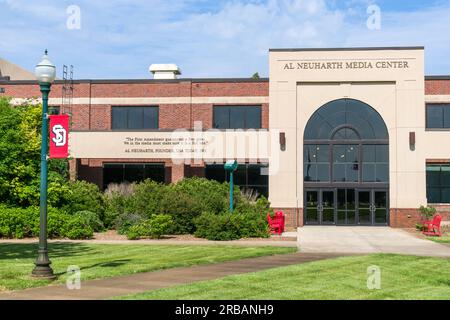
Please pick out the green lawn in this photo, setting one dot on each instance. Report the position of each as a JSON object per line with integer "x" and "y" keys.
{"x": 102, "y": 261}
{"x": 402, "y": 277}
{"x": 443, "y": 239}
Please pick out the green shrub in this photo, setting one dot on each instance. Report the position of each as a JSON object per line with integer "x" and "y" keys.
{"x": 248, "y": 220}
{"x": 427, "y": 212}
{"x": 216, "y": 227}
{"x": 147, "y": 197}
{"x": 181, "y": 207}
{"x": 207, "y": 195}
{"x": 56, "y": 223}
{"x": 24, "y": 222}
{"x": 183, "y": 201}
{"x": 187, "y": 199}
{"x": 127, "y": 204}
{"x": 117, "y": 200}
{"x": 91, "y": 219}
{"x": 19, "y": 223}
{"x": 153, "y": 228}
{"x": 84, "y": 196}
{"x": 126, "y": 220}
{"x": 76, "y": 227}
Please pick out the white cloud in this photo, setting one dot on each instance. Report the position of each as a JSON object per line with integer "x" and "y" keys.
{"x": 120, "y": 38}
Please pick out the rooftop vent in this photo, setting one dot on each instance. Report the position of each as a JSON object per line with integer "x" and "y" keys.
{"x": 165, "y": 71}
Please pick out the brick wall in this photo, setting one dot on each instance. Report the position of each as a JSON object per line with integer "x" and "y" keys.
{"x": 437, "y": 87}
{"x": 100, "y": 117}
{"x": 293, "y": 217}
{"x": 408, "y": 218}
{"x": 230, "y": 89}
{"x": 177, "y": 172}
{"x": 175, "y": 116}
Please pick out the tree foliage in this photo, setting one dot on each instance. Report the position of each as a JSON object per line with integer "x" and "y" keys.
{"x": 20, "y": 146}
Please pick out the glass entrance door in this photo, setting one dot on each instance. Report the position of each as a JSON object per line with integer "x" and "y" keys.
{"x": 364, "y": 209}
{"x": 320, "y": 207}
{"x": 312, "y": 207}
{"x": 373, "y": 208}
{"x": 327, "y": 207}
{"x": 346, "y": 207}
{"x": 381, "y": 208}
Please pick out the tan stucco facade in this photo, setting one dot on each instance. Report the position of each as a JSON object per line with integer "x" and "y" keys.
{"x": 389, "y": 80}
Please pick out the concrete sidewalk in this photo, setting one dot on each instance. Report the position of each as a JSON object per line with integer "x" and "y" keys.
{"x": 366, "y": 240}
{"x": 117, "y": 286}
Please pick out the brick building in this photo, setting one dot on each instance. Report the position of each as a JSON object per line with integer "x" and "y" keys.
{"x": 355, "y": 136}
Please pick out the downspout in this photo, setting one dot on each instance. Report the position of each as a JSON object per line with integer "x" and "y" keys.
{"x": 90, "y": 94}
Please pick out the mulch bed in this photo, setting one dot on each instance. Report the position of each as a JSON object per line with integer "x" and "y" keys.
{"x": 113, "y": 235}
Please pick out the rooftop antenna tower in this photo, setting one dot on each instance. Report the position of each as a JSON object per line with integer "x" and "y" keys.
{"x": 67, "y": 90}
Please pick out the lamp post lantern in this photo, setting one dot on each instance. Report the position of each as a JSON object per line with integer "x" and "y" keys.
{"x": 231, "y": 166}
{"x": 45, "y": 73}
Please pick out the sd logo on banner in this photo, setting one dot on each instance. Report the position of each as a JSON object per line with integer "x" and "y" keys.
{"x": 59, "y": 136}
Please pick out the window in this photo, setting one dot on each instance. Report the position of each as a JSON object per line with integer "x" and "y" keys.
{"x": 438, "y": 116}
{"x": 252, "y": 177}
{"x": 438, "y": 183}
{"x": 359, "y": 119}
{"x": 237, "y": 117}
{"x": 346, "y": 141}
{"x": 375, "y": 163}
{"x": 135, "y": 118}
{"x": 345, "y": 163}
{"x": 316, "y": 163}
{"x": 132, "y": 172}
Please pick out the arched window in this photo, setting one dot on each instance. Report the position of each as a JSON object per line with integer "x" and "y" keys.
{"x": 346, "y": 141}
{"x": 346, "y": 113}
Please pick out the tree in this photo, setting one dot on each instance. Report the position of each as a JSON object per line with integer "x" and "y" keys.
{"x": 20, "y": 143}
{"x": 255, "y": 75}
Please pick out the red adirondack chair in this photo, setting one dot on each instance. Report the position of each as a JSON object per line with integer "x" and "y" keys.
{"x": 274, "y": 224}
{"x": 432, "y": 227}
{"x": 280, "y": 216}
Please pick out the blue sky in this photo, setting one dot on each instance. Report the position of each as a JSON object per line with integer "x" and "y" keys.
{"x": 121, "y": 38}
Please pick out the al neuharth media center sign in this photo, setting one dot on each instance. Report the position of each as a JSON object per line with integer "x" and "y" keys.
{"x": 341, "y": 65}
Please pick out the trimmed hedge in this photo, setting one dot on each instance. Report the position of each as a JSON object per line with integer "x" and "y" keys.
{"x": 22, "y": 223}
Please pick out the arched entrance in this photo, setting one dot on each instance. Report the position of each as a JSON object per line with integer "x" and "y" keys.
{"x": 346, "y": 166}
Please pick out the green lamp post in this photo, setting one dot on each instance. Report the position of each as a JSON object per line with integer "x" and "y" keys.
{"x": 231, "y": 167}
{"x": 45, "y": 73}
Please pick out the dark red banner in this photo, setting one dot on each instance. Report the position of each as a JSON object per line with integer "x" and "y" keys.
{"x": 59, "y": 136}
